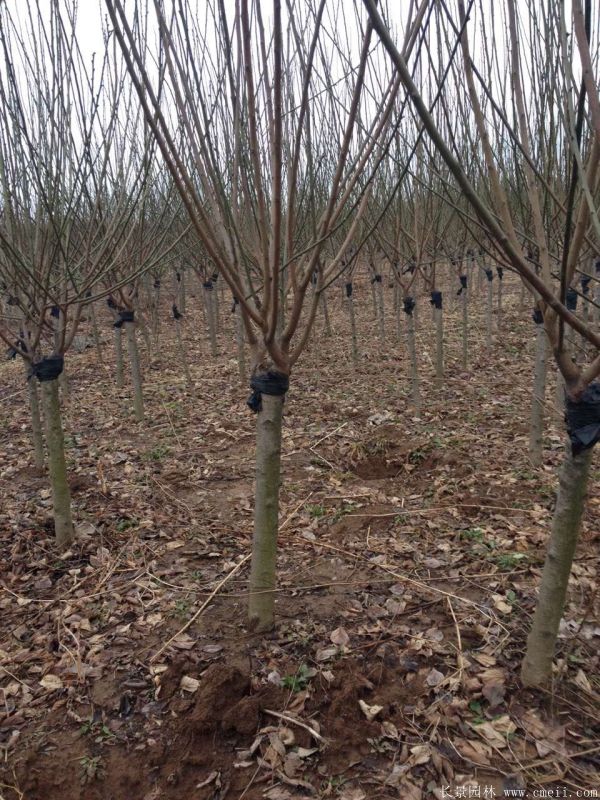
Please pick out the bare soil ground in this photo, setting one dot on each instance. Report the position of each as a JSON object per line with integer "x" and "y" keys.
{"x": 410, "y": 551}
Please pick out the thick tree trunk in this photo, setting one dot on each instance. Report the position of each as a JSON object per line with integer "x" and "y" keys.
{"x": 119, "y": 356}
{"x": 537, "y": 665}
{"x": 61, "y": 496}
{"x": 37, "y": 438}
{"x": 536, "y": 431}
{"x": 261, "y": 604}
{"x": 136, "y": 375}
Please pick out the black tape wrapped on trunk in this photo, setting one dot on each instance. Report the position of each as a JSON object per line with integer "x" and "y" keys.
{"x": 272, "y": 383}
{"x": 48, "y": 369}
{"x": 124, "y": 316}
{"x": 436, "y": 299}
{"x": 583, "y": 419}
{"x": 408, "y": 305}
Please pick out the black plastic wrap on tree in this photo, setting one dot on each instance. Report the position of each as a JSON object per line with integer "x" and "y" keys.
{"x": 349, "y": 289}
{"x": 408, "y": 305}
{"x": 583, "y": 419}
{"x": 436, "y": 299}
{"x": 571, "y": 299}
{"x": 48, "y": 369}
{"x": 271, "y": 383}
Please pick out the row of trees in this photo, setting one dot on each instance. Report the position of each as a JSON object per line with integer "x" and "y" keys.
{"x": 275, "y": 150}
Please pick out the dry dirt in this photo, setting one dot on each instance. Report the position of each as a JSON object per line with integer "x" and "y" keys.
{"x": 410, "y": 550}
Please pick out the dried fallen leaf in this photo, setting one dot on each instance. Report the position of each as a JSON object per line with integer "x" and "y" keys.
{"x": 434, "y": 678}
{"x": 189, "y": 684}
{"x": 370, "y": 712}
{"x": 340, "y": 637}
{"x": 51, "y": 683}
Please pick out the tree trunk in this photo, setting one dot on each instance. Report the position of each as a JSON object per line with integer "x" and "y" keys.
{"x": 210, "y": 319}
{"x": 183, "y": 355}
{"x": 399, "y": 313}
{"x": 353, "y": 331}
{"x": 489, "y": 314}
{"x": 374, "y": 299}
{"x": 537, "y": 664}
{"x": 136, "y": 375}
{"x": 36, "y": 422}
{"x": 182, "y": 292}
{"x": 414, "y": 369}
{"x": 325, "y": 315}
{"x": 239, "y": 337}
{"x": 261, "y": 604}
{"x": 119, "y": 354}
{"x": 96, "y": 334}
{"x": 61, "y": 496}
{"x": 536, "y": 431}
{"x": 439, "y": 347}
{"x": 465, "y": 328}
{"x": 499, "y": 302}
{"x": 381, "y": 310}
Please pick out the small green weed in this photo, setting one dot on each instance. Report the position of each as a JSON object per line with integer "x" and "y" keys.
{"x": 316, "y": 511}
{"x": 299, "y": 681}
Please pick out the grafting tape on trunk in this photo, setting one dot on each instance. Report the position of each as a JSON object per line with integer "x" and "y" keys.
{"x": 178, "y": 277}
{"x": 349, "y": 289}
{"x": 585, "y": 284}
{"x": 408, "y": 305}
{"x": 463, "y": 284}
{"x": 271, "y": 383}
{"x": 214, "y": 277}
{"x": 176, "y": 312}
{"x": 208, "y": 285}
{"x": 537, "y": 316}
{"x": 583, "y": 419}
{"x": 157, "y": 283}
{"x": 500, "y": 271}
{"x": 48, "y": 369}
{"x": 124, "y": 316}
{"x": 489, "y": 274}
{"x": 376, "y": 279}
{"x": 571, "y": 300}
{"x": 55, "y": 312}
{"x": 436, "y": 299}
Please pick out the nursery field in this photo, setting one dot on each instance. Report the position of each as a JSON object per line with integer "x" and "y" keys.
{"x": 411, "y": 543}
